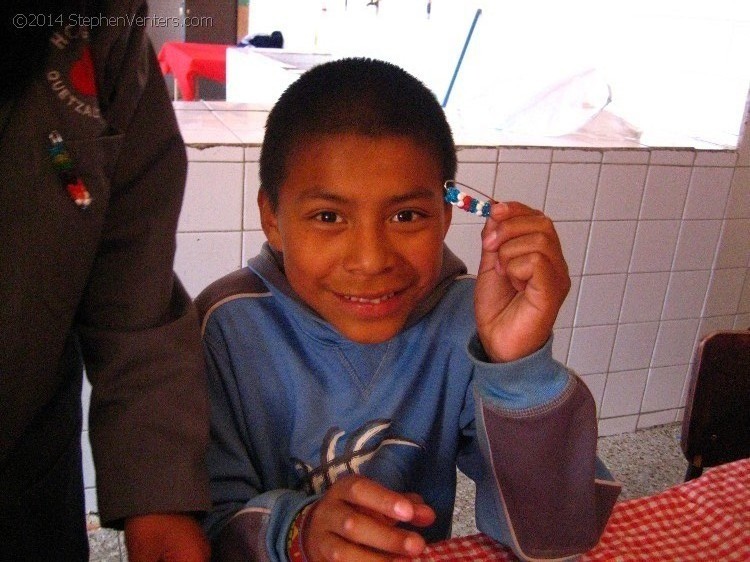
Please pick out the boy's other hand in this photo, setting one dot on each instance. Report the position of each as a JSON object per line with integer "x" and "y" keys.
{"x": 356, "y": 520}
{"x": 164, "y": 537}
{"x": 522, "y": 281}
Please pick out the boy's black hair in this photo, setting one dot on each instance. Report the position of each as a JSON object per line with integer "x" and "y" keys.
{"x": 353, "y": 95}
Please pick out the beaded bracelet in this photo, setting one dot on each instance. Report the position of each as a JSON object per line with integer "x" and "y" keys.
{"x": 294, "y": 539}
{"x": 462, "y": 200}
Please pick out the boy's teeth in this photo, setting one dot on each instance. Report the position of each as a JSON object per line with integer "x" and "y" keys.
{"x": 369, "y": 301}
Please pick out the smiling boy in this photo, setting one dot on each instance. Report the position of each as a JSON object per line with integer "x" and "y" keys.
{"x": 354, "y": 365}
{"x": 360, "y": 224}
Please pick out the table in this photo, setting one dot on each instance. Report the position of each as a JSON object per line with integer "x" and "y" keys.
{"x": 705, "y": 519}
{"x": 189, "y": 61}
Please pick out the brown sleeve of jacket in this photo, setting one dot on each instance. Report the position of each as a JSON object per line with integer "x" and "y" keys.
{"x": 552, "y": 492}
{"x": 138, "y": 327}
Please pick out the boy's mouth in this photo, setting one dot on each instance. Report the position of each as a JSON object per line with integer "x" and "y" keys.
{"x": 366, "y": 300}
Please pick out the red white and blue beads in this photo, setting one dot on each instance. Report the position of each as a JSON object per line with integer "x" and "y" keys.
{"x": 462, "y": 200}
{"x": 63, "y": 164}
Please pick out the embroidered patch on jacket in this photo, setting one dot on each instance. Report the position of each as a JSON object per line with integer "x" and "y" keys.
{"x": 361, "y": 446}
{"x": 70, "y": 74}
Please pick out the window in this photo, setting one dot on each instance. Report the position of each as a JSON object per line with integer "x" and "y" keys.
{"x": 670, "y": 68}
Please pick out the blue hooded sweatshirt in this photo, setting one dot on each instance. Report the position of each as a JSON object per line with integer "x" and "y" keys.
{"x": 296, "y": 405}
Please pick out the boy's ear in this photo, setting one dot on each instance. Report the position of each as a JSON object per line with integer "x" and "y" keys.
{"x": 269, "y": 221}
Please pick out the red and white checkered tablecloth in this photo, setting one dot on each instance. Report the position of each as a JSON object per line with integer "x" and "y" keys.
{"x": 473, "y": 548}
{"x": 705, "y": 519}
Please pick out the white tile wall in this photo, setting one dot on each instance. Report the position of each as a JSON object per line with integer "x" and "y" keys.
{"x": 561, "y": 344}
{"x": 567, "y": 311}
{"x": 591, "y": 349}
{"x": 634, "y": 345}
{"x": 734, "y": 246}
{"x": 612, "y": 426}
{"x": 625, "y": 156}
{"x": 610, "y": 246}
{"x": 644, "y": 296}
{"x": 707, "y": 194}
{"x": 573, "y": 237}
{"x": 623, "y": 393}
{"x": 674, "y": 342}
{"x": 686, "y": 292}
{"x": 724, "y": 291}
{"x": 599, "y": 299}
{"x": 252, "y": 240}
{"x": 464, "y": 240}
{"x": 89, "y": 474}
{"x": 619, "y": 192}
{"x": 710, "y": 324}
{"x": 213, "y": 197}
{"x": 657, "y": 241}
{"x": 571, "y": 191}
{"x": 663, "y": 388}
{"x": 650, "y": 419}
{"x": 696, "y": 244}
{"x": 655, "y": 244}
{"x": 744, "y": 306}
{"x": 739, "y": 196}
{"x": 596, "y": 385}
{"x": 203, "y": 127}
{"x": 524, "y": 154}
{"x": 672, "y": 157}
{"x": 521, "y": 181}
{"x": 665, "y": 192}
{"x": 218, "y": 253}
{"x": 251, "y": 215}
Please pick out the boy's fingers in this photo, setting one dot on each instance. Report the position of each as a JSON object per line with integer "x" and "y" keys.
{"x": 538, "y": 243}
{"x": 523, "y": 234}
{"x": 360, "y": 528}
{"x": 338, "y": 525}
{"x": 337, "y": 548}
{"x": 369, "y": 494}
{"x": 503, "y": 210}
{"x": 359, "y": 511}
{"x": 333, "y": 547}
{"x": 377, "y": 516}
{"x": 498, "y": 231}
{"x": 424, "y": 515}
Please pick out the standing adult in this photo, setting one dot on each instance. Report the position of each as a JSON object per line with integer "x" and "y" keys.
{"x": 93, "y": 170}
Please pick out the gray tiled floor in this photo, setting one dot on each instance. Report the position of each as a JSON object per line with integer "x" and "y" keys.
{"x": 105, "y": 545}
{"x": 646, "y": 462}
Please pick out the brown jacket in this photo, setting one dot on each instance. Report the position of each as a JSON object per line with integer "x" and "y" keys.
{"x": 98, "y": 283}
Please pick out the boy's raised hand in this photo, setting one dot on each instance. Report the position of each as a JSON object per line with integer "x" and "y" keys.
{"x": 356, "y": 520}
{"x": 521, "y": 283}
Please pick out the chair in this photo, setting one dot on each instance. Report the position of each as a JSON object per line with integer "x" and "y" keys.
{"x": 716, "y": 426}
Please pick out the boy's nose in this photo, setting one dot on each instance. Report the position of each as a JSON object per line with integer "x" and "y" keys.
{"x": 369, "y": 251}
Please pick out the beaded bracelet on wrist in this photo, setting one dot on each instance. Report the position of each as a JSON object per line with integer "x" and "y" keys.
{"x": 294, "y": 539}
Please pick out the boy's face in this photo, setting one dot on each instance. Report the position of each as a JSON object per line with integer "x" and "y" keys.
{"x": 361, "y": 222}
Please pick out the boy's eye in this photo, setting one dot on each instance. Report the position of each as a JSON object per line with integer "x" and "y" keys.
{"x": 328, "y": 216}
{"x": 406, "y": 216}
